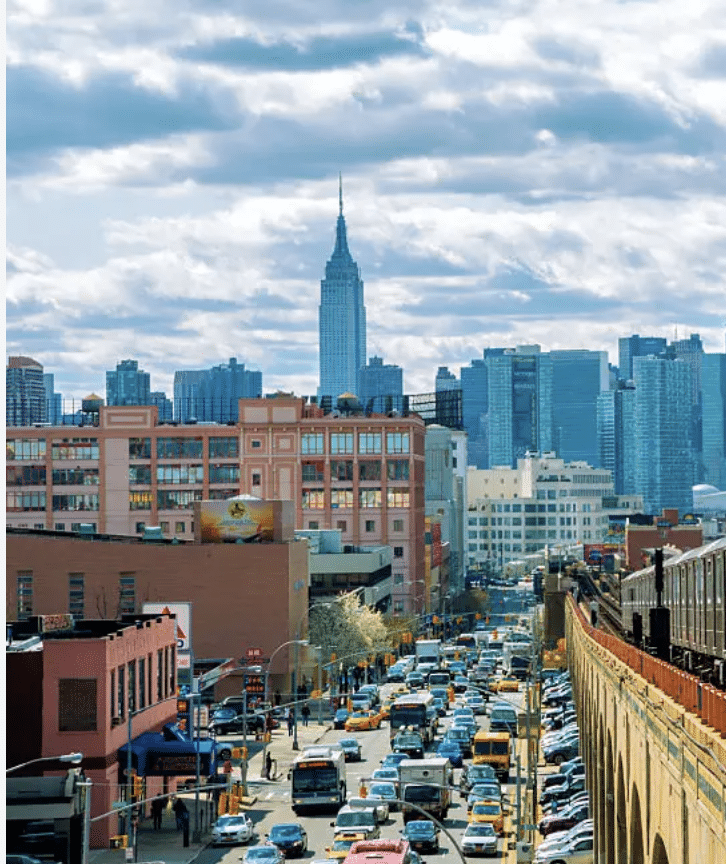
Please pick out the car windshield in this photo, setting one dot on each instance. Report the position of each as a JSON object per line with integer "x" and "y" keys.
{"x": 383, "y": 790}
{"x": 356, "y": 817}
{"x": 342, "y": 845}
{"x": 481, "y": 830}
{"x": 262, "y": 853}
{"x": 420, "y": 828}
{"x": 284, "y": 832}
{"x": 231, "y": 822}
{"x": 348, "y": 742}
{"x": 386, "y": 774}
{"x": 359, "y": 714}
{"x": 487, "y": 809}
{"x": 485, "y": 789}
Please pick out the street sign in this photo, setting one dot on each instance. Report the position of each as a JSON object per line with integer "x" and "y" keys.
{"x": 129, "y": 853}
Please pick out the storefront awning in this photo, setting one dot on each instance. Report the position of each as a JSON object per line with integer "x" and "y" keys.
{"x": 167, "y": 754}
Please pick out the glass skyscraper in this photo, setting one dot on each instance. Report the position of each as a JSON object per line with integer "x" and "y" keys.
{"x": 212, "y": 395}
{"x": 578, "y": 378}
{"x": 713, "y": 383}
{"x": 381, "y": 386}
{"x": 616, "y": 444}
{"x": 128, "y": 385}
{"x": 25, "y": 399}
{"x": 630, "y": 347}
{"x": 342, "y": 319}
{"x": 664, "y": 456}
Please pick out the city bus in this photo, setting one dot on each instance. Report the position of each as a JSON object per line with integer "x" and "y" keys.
{"x": 416, "y": 710}
{"x": 318, "y": 780}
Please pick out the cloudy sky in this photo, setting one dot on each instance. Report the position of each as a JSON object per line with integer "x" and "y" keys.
{"x": 515, "y": 171}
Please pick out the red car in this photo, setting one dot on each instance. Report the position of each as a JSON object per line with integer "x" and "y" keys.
{"x": 565, "y": 819}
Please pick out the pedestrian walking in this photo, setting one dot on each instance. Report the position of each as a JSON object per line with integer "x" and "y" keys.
{"x": 157, "y": 810}
{"x": 290, "y": 722}
{"x": 180, "y": 808}
{"x": 305, "y": 714}
{"x": 268, "y": 765}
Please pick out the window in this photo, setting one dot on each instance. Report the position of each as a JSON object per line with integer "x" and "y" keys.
{"x": 341, "y": 525}
{"x": 142, "y": 682}
{"x": 75, "y": 477}
{"x": 177, "y": 475}
{"x": 140, "y": 527}
{"x": 397, "y": 442}
{"x": 313, "y": 471}
{"x": 140, "y": 500}
{"x": 397, "y": 469}
{"x": 179, "y": 448}
{"x": 256, "y": 478}
{"x": 76, "y": 594}
{"x": 25, "y": 475}
{"x": 164, "y": 527}
{"x": 312, "y": 443}
{"x": 341, "y": 469}
{"x": 159, "y": 675}
{"x": 341, "y": 498}
{"x": 398, "y": 551}
{"x": 172, "y": 670}
{"x": 121, "y": 691}
{"x": 140, "y": 475}
{"x": 368, "y": 470}
{"x": 132, "y": 686}
{"x": 313, "y": 499}
{"x": 370, "y": 526}
{"x": 180, "y": 527}
{"x": 139, "y": 448}
{"x": 256, "y": 443}
{"x": 397, "y": 498}
{"x": 369, "y": 498}
{"x": 22, "y": 502}
{"x": 27, "y": 449}
{"x": 25, "y": 594}
{"x": 127, "y": 593}
{"x": 398, "y": 525}
{"x": 76, "y": 526}
{"x": 369, "y": 442}
{"x": 222, "y": 494}
{"x": 313, "y": 526}
{"x": 223, "y": 448}
{"x": 182, "y": 499}
{"x": 112, "y": 692}
{"x": 74, "y": 449}
{"x": 75, "y": 502}
{"x": 341, "y": 442}
{"x": 60, "y": 526}
{"x": 77, "y": 709}
{"x": 397, "y": 607}
{"x": 221, "y": 474}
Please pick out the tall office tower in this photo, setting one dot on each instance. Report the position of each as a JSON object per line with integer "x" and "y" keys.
{"x": 520, "y": 404}
{"x": 664, "y": 457}
{"x": 616, "y": 443}
{"x": 342, "y": 319}
{"x": 53, "y": 400}
{"x": 128, "y": 385}
{"x": 446, "y": 380}
{"x": 444, "y": 502}
{"x": 24, "y": 392}
{"x": 163, "y": 403}
{"x": 690, "y": 351}
{"x": 713, "y": 389}
{"x": 381, "y": 387}
{"x": 630, "y": 347}
{"x": 475, "y": 411}
{"x": 578, "y": 378}
{"x": 212, "y": 395}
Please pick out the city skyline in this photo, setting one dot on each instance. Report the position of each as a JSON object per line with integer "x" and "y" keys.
{"x": 512, "y": 176}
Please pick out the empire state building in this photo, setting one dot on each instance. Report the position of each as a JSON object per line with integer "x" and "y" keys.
{"x": 342, "y": 318}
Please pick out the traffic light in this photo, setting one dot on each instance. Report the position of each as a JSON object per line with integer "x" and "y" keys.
{"x": 222, "y": 804}
{"x": 119, "y": 841}
{"x": 233, "y": 806}
{"x": 138, "y": 786}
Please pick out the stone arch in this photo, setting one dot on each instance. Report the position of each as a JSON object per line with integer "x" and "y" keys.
{"x": 621, "y": 820}
{"x": 660, "y": 856}
{"x": 597, "y": 782}
{"x": 609, "y": 808}
{"x": 637, "y": 855}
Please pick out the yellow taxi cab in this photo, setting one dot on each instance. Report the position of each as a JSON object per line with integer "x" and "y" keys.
{"x": 505, "y": 685}
{"x": 488, "y": 811}
{"x": 342, "y": 842}
{"x": 359, "y": 721}
{"x": 385, "y": 709}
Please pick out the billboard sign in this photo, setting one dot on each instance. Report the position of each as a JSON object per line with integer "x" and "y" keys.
{"x": 236, "y": 519}
{"x": 183, "y": 612}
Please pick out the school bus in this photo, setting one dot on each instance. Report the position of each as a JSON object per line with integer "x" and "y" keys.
{"x": 493, "y": 748}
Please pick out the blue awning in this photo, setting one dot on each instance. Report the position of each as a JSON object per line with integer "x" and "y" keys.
{"x": 170, "y": 753}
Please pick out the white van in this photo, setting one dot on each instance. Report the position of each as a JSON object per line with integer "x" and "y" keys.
{"x": 359, "y": 820}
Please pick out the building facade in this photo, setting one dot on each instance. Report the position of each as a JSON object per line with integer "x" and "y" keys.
{"x": 128, "y": 385}
{"x": 713, "y": 383}
{"x": 342, "y": 319}
{"x": 630, "y": 347}
{"x": 380, "y": 387}
{"x": 212, "y": 395}
{"x": 616, "y": 444}
{"x": 25, "y": 396}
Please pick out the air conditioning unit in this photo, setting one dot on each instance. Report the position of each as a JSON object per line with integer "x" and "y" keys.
{"x": 116, "y": 721}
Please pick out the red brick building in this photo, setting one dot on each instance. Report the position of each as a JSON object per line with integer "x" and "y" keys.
{"x": 665, "y": 530}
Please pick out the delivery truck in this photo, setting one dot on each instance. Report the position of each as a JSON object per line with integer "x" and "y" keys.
{"x": 426, "y": 783}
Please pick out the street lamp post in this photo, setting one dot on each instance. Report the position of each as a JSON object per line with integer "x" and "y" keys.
{"x": 294, "y": 642}
{"x": 73, "y": 758}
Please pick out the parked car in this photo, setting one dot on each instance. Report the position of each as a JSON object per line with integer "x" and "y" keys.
{"x": 223, "y": 724}
{"x": 351, "y": 749}
{"x": 480, "y": 838}
{"x": 422, "y": 835}
{"x": 565, "y": 838}
{"x": 564, "y": 819}
{"x": 290, "y": 838}
{"x": 263, "y": 853}
{"x": 452, "y": 751}
{"x": 579, "y": 851}
{"x": 230, "y": 830}
{"x": 562, "y": 751}
{"x": 562, "y": 792}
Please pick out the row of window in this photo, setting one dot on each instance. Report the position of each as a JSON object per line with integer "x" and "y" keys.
{"x": 166, "y": 499}
{"x": 140, "y": 475}
{"x": 184, "y": 447}
{"x": 35, "y": 475}
{"x": 17, "y": 502}
{"x": 314, "y": 499}
{"x": 313, "y": 443}
{"x": 71, "y": 449}
{"x": 370, "y": 528}
{"x": 396, "y": 469}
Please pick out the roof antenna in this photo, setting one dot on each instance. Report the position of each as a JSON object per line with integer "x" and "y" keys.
{"x": 340, "y": 191}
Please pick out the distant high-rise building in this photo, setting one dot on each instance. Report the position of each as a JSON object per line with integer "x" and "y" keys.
{"x": 664, "y": 455}
{"x": 164, "y": 405}
{"x": 475, "y": 410}
{"x": 25, "y": 401}
{"x": 342, "y": 319}
{"x": 578, "y": 378}
{"x": 616, "y": 446}
{"x": 630, "y": 347}
{"x": 446, "y": 380}
{"x": 520, "y": 404}
{"x": 128, "y": 385}
{"x": 212, "y": 395}
{"x": 381, "y": 387}
{"x": 53, "y": 400}
{"x": 713, "y": 384}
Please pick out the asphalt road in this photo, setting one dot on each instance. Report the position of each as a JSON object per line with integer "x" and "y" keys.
{"x": 273, "y": 804}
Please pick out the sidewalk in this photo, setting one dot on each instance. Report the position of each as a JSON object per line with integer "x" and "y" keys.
{"x": 166, "y": 844}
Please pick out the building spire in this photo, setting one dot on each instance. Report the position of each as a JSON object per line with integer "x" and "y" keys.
{"x": 341, "y": 239}
{"x": 340, "y": 193}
